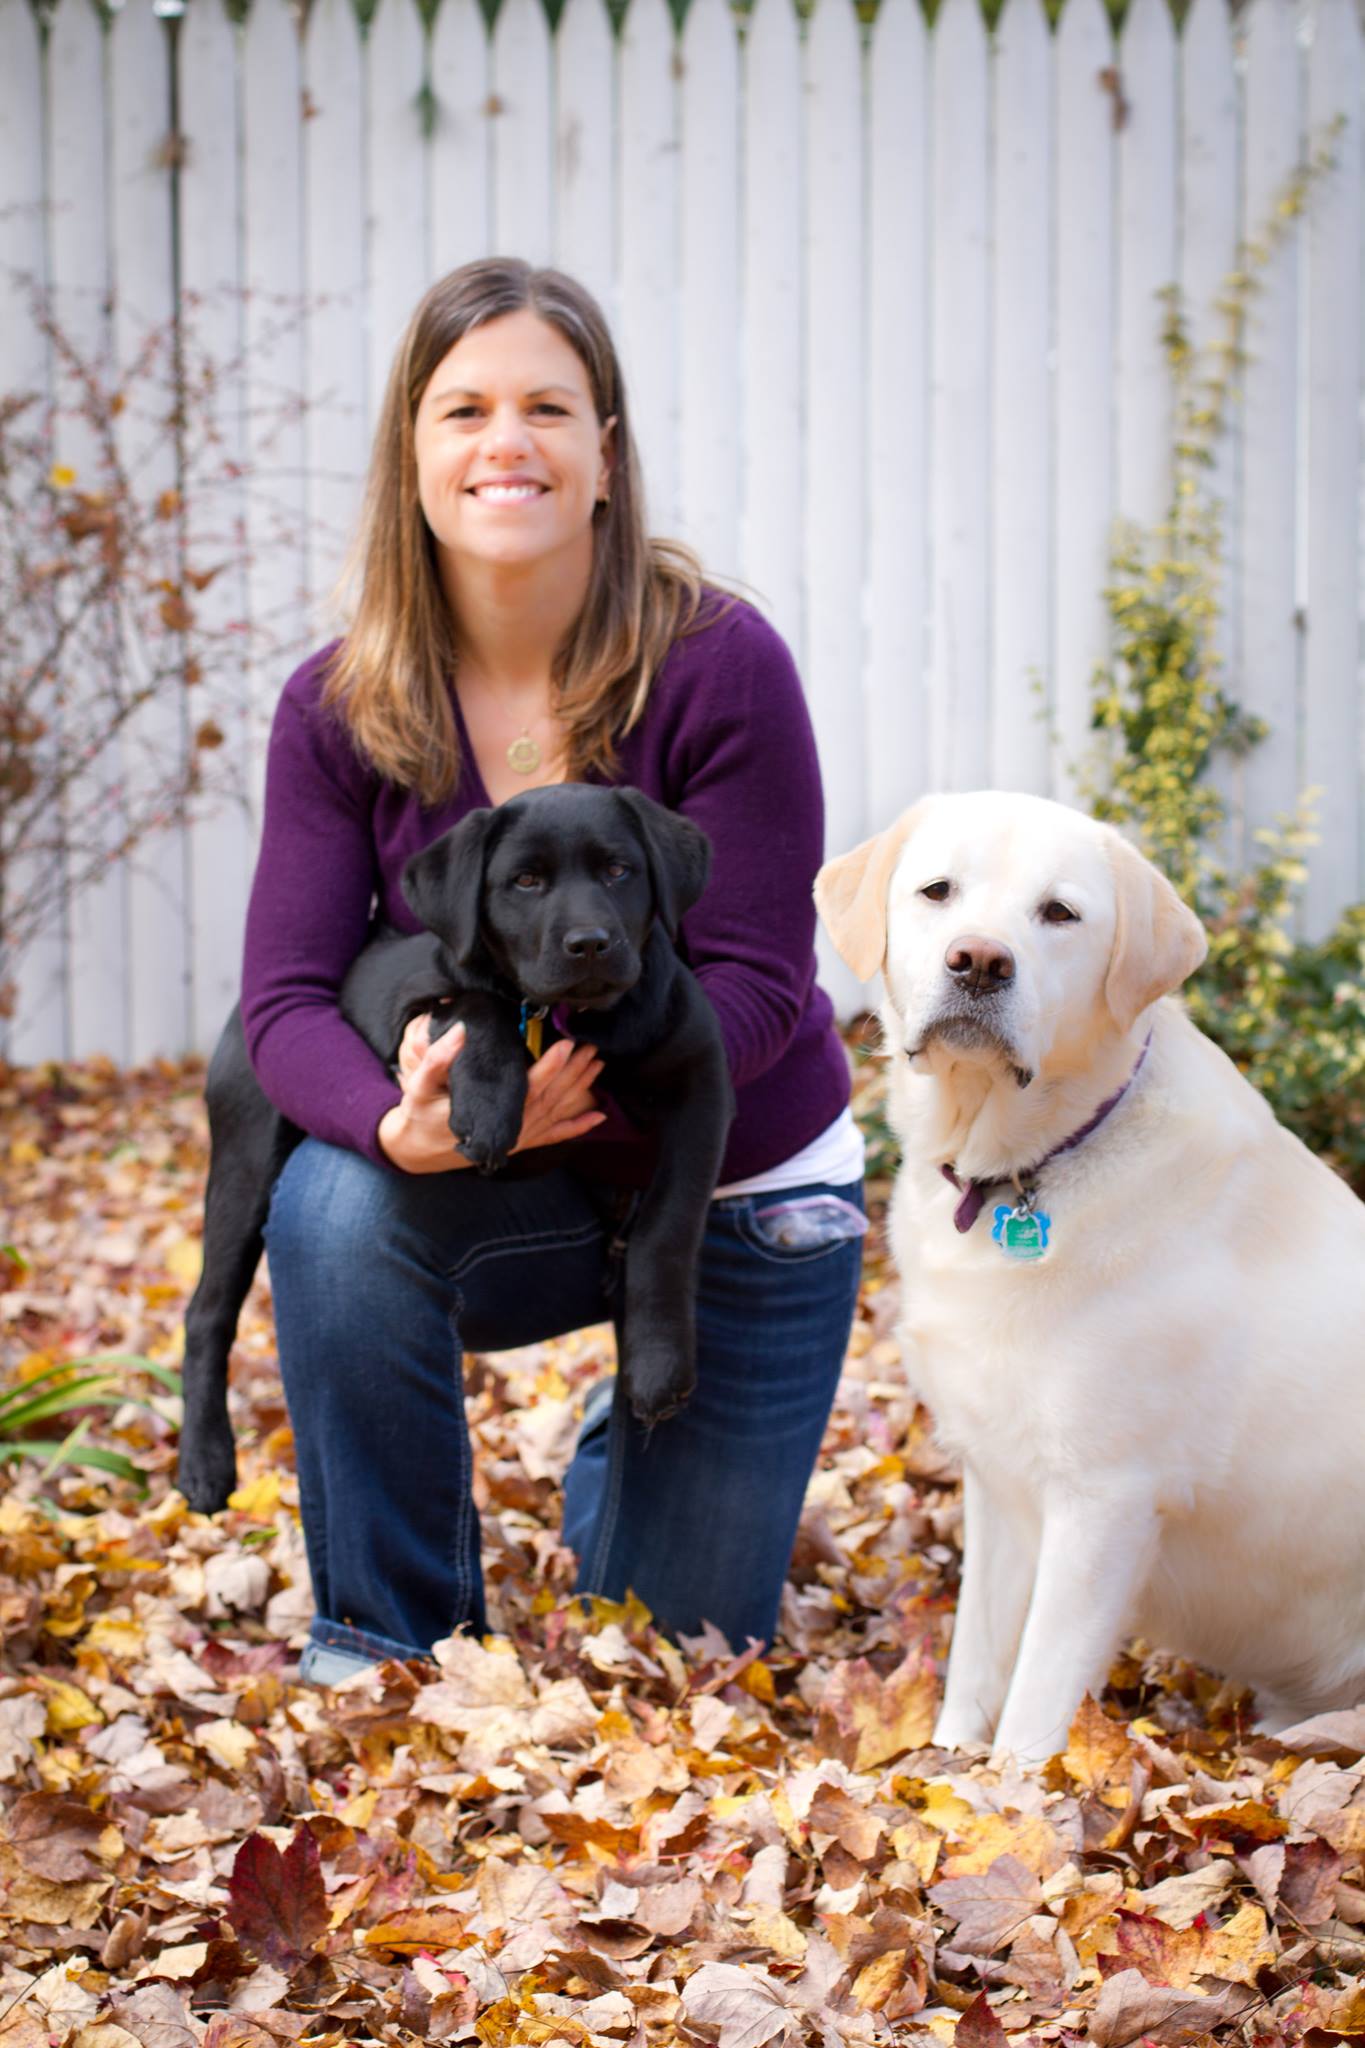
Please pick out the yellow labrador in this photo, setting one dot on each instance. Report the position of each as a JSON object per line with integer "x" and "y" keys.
{"x": 1134, "y": 1304}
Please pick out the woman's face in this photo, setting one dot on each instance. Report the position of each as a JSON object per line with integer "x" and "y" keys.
{"x": 511, "y": 456}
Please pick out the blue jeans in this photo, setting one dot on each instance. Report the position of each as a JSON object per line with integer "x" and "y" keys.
{"x": 382, "y": 1280}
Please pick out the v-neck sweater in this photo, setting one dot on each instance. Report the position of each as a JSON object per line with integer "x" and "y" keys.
{"x": 725, "y": 739}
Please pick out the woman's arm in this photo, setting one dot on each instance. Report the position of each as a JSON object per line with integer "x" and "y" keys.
{"x": 309, "y": 916}
{"x": 750, "y": 777}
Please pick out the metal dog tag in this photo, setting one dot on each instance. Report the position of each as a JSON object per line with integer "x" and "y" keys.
{"x": 1021, "y": 1233}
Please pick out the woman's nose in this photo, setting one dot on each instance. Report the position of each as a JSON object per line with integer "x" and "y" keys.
{"x": 506, "y": 433}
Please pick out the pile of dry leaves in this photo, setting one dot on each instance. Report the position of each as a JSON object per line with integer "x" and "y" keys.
{"x": 574, "y": 1832}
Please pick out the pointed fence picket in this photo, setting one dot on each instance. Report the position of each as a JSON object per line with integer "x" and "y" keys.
{"x": 886, "y": 296}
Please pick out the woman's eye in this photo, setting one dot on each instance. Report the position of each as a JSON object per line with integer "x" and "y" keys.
{"x": 937, "y": 892}
{"x": 1057, "y": 912}
{"x": 461, "y": 412}
{"x": 559, "y": 411}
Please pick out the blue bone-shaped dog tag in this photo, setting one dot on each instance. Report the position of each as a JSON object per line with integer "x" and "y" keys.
{"x": 1021, "y": 1233}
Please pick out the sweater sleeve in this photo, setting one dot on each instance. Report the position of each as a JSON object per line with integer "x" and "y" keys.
{"x": 745, "y": 770}
{"x": 307, "y": 919}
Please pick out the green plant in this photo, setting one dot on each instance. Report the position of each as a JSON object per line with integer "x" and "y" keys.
{"x": 76, "y": 1386}
{"x": 1289, "y": 1012}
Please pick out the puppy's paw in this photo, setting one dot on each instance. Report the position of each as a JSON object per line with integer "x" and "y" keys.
{"x": 485, "y": 1140}
{"x": 485, "y": 1118}
{"x": 659, "y": 1379}
{"x": 207, "y": 1470}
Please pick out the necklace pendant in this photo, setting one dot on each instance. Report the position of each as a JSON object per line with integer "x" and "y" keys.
{"x": 523, "y": 756}
{"x": 1021, "y": 1232}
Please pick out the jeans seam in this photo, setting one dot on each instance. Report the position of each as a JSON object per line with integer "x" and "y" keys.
{"x": 608, "y": 1513}
{"x": 540, "y": 1240}
{"x": 462, "y": 1536}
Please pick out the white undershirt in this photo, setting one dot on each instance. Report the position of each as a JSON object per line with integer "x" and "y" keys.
{"x": 835, "y": 1157}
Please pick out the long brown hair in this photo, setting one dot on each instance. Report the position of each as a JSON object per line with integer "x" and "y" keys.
{"x": 391, "y": 676}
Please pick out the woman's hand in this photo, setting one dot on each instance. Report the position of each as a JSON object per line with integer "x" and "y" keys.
{"x": 415, "y": 1134}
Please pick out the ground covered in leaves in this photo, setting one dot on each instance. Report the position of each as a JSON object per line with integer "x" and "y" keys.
{"x": 573, "y": 1832}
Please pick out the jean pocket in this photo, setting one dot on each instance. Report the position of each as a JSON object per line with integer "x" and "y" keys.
{"x": 807, "y": 1227}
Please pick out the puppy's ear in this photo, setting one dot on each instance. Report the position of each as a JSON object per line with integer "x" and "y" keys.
{"x": 850, "y": 895}
{"x": 678, "y": 853}
{"x": 1158, "y": 940}
{"x": 443, "y": 885}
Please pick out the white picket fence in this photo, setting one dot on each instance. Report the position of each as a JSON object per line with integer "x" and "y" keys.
{"x": 887, "y": 303}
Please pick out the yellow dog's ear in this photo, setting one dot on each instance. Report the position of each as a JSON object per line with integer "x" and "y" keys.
{"x": 850, "y": 895}
{"x": 1158, "y": 940}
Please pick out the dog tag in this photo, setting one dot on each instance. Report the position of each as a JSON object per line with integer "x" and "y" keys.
{"x": 1021, "y": 1233}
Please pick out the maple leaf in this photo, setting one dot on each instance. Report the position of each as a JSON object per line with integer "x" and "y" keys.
{"x": 743, "y": 2007}
{"x": 1099, "y": 1755}
{"x": 990, "y": 1907}
{"x": 277, "y": 1904}
{"x": 979, "y": 2027}
{"x": 1129, "y": 2009}
{"x": 865, "y": 1720}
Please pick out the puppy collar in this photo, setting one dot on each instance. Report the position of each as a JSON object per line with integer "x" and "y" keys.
{"x": 531, "y": 1025}
{"x": 974, "y": 1192}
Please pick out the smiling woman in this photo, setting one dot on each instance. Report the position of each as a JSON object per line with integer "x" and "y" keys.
{"x": 515, "y": 624}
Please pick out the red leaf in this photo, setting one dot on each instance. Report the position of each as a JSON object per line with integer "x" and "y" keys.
{"x": 277, "y": 1904}
{"x": 979, "y": 2026}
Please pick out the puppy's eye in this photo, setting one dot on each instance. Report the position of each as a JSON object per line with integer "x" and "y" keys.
{"x": 616, "y": 871}
{"x": 937, "y": 892}
{"x": 1057, "y": 912}
{"x": 526, "y": 880}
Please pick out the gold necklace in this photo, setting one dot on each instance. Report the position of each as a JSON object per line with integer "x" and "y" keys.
{"x": 523, "y": 756}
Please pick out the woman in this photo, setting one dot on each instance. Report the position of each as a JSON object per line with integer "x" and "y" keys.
{"x": 516, "y": 626}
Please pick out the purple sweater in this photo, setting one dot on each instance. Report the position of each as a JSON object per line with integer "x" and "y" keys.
{"x": 725, "y": 739}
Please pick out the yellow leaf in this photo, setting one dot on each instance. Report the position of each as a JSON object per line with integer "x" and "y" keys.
{"x": 976, "y": 1843}
{"x": 757, "y": 1680}
{"x": 229, "y": 1743}
{"x": 184, "y": 1260}
{"x": 23, "y": 1152}
{"x": 1099, "y": 1755}
{"x": 933, "y": 1802}
{"x": 118, "y": 1638}
{"x": 68, "y": 1708}
{"x": 874, "y": 1985}
{"x": 259, "y": 1498}
{"x": 779, "y": 1933}
{"x": 1240, "y": 1948}
{"x": 60, "y": 477}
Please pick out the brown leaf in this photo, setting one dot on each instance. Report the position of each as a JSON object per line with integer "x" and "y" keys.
{"x": 158, "y": 2016}
{"x": 1128, "y": 2008}
{"x": 60, "y": 1838}
{"x": 277, "y": 1904}
{"x": 741, "y": 2007}
{"x": 991, "y": 1907}
{"x": 1312, "y": 1871}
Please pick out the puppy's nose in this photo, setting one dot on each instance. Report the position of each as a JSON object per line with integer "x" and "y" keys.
{"x": 981, "y": 966}
{"x": 586, "y": 942}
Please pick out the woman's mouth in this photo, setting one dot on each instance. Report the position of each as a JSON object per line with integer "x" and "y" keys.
{"x": 508, "y": 493}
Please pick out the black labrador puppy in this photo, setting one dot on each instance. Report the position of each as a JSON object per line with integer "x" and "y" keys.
{"x": 565, "y": 898}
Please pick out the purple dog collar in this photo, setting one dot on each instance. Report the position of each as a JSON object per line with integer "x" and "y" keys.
{"x": 974, "y": 1192}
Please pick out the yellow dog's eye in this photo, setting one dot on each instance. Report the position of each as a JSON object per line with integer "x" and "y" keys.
{"x": 937, "y": 892}
{"x": 1056, "y": 912}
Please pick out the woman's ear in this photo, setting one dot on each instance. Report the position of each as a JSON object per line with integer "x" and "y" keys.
{"x": 1158, "y": 940}
{"x": 443, "y": 885}
{"x": 851, "y": 891}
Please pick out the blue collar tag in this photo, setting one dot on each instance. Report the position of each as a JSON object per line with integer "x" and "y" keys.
{"x": 1021, "y": 1233}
